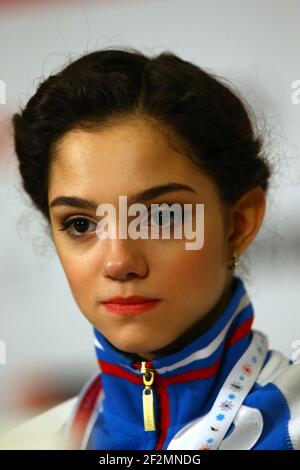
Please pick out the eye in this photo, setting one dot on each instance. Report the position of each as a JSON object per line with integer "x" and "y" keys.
{"x": 165, "y": 216}
{"x": 161, "y": 218}
{"x": 77, "y": 227}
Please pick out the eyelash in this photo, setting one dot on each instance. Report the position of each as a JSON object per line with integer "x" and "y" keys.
{"x": 67, "y": 224}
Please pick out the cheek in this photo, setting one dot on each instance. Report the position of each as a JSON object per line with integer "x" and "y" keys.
{"x": 80, "y": 278}
{"x": 193, "y": 273}
{"x": 187, "y": 269}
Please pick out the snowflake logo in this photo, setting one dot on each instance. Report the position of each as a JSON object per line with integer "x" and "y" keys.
{"x": 236, "y": 386}
{"x": 226, "y": 405}
{"x": 220, "y": 417}
{"x": 247, "y": 369}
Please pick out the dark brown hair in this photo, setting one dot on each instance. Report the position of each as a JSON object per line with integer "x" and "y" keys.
{"x": 101, "y": 87}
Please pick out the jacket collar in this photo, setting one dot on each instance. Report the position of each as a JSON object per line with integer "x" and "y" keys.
{"x": 204, "y": 363}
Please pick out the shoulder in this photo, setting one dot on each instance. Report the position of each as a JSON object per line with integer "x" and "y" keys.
{"x": 277, "y": 396}
{"x": 84, "y": 414}
{"x": 275, "y": 364}
{"x": 269, "y": 418}
{"x": 56, "y": 427}
{"x": 41, "y": 431}
{"x": 285, "y": 376}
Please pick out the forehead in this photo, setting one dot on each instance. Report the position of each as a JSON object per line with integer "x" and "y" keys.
{"x": 122, "y": 158}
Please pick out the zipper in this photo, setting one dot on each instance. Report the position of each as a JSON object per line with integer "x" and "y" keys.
{"x": 148, "y": 372}
{"x": 149, "y": 375}
{"x": 148, "y": 401}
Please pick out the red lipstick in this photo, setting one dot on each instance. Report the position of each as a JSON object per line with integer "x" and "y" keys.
{"x": 132, "y": 305}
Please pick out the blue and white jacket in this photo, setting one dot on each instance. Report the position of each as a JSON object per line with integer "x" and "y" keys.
{"x": 107, "y": 414}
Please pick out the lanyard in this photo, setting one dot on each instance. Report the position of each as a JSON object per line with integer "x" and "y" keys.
{"x": 233, "y": 392}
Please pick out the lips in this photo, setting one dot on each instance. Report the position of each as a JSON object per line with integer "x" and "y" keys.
{"x": 132, "y": 305}
{"x": 133, "y": 299}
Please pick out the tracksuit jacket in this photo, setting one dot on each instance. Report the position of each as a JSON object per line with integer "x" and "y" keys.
{"x": 109, "y": 412}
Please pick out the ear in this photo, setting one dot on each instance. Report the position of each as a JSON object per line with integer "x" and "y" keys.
{"x": 246, "y": 218}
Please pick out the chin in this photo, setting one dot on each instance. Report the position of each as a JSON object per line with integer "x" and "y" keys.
{"x": 135, "y": 347}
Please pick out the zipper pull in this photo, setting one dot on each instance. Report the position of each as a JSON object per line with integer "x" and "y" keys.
{"x": 148, "y": 405}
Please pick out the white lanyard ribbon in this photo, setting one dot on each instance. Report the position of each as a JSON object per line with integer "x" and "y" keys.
{"x": 233, "y": 392}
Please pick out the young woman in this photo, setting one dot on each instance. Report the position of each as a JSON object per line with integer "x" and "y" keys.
{"x": 180, "y": 366}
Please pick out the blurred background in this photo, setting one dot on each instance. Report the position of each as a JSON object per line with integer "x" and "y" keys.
{"x": 46, "y": 345}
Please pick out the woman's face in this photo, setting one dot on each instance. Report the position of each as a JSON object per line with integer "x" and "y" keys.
{"x": 125, "y": 159}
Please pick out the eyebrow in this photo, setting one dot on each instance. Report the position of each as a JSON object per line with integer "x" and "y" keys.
{"x": 142, "y": 196}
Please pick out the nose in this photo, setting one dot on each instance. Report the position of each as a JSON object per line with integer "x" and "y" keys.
{"x": 123, "y": 260}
